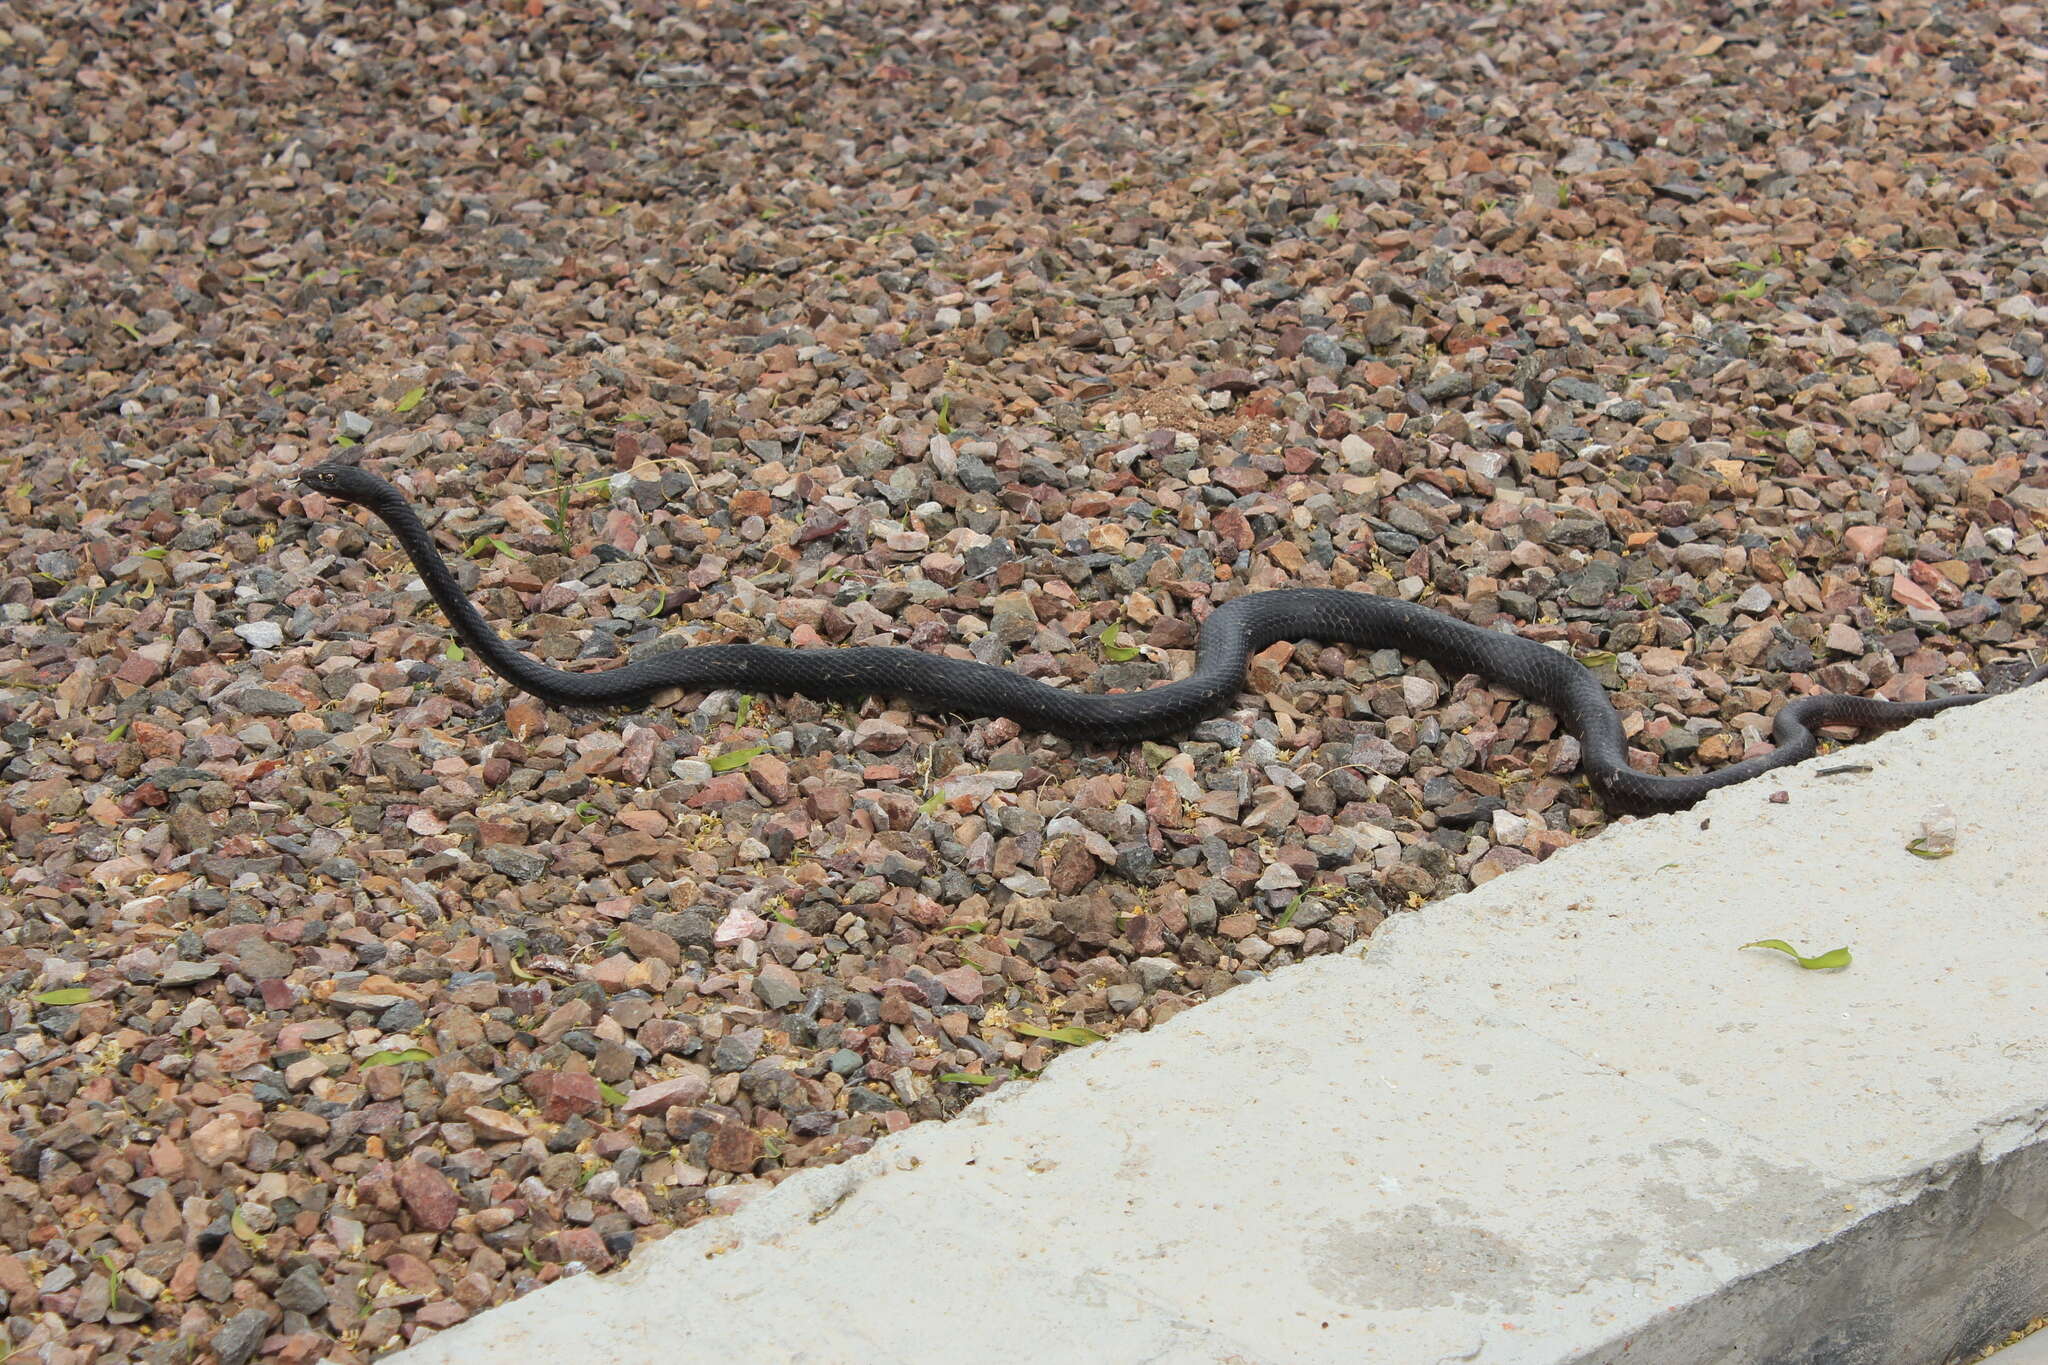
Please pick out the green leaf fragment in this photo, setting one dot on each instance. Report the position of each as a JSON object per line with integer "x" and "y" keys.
{"x": 1113, "y": 651}
{"x": 1839, "y": 957}
{"x": 612, "y": 1094}
{"x": 1923, "y": 847}
{"x": 454, "y": 652}
{"x": 1072, "y": 1033}
{"x": 391, "y": 1057}
{"x": 494, "y": 545}
{"x": 967, "y": 1078}
{"x": 738, "y": 758}
{"x": 106, "y": 1260}
{"x": 70, "y": 995}
{"x": 411, "y": 399}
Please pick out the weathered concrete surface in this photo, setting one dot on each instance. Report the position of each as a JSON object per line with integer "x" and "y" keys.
{"x": 1561, "y": 1118}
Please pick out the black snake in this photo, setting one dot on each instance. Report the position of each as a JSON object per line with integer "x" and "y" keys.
{"x": 1229, "y": 637}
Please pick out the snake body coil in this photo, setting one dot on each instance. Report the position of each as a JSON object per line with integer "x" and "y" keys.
{"x": 1230, "y": 636}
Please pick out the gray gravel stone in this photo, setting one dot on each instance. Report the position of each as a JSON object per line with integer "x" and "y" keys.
{"x": 262, "y": 701}
{"x": 237, "y": 1341}
{"x": 1445, "y": 387}
{"x": 260, "y": 959}
{"x": 516, "y": 863}
{"x": 1578, "y": 390}
{"x": 261, "y": 634}
{"x": 301, "y": 1291}
{"x": 188, "y": 973}
{"x": 1579, "y": 532}
{"x": 736, "y": 1051}
{"x": 403, "y": 1017}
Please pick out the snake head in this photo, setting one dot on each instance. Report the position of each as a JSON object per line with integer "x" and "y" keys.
{"x": 344, "y": 483}
{"x": 322, "y": 478}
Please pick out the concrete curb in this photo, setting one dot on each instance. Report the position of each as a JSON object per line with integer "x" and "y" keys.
{"x": 1561, "y": 1118}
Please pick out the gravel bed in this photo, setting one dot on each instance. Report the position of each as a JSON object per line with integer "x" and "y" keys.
{"x": 348, "y": 993}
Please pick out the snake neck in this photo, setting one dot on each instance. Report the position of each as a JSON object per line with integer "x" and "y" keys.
{"x": 493, "y": 649}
